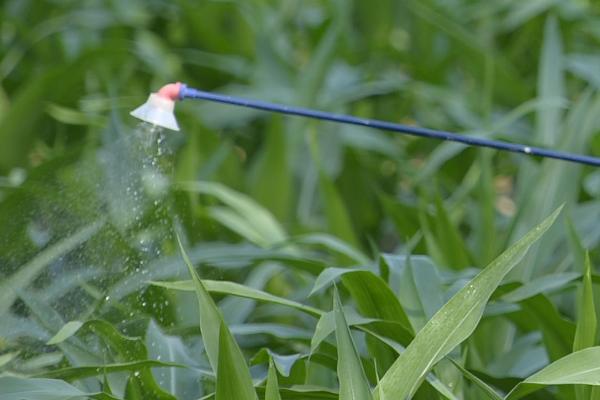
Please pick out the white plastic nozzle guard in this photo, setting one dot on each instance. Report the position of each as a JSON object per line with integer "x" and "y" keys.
{"x": 157, "y": 110}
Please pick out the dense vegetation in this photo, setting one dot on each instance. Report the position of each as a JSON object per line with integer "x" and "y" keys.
{"x": 260, "y": 256}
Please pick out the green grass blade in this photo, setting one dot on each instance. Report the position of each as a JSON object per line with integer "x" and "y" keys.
{"x": 243, "y": 215}
{"x": 235, "y": 289}
{"x": 233, "y": 376}
{"x": 28, "y": 272}
{"x": 210, "y": 316}
{"x": 13, "y": 388}
{"x": 68, "y": 330}
{"x": 550, "y": 83}
{"x": 487, "y": 389}
{"x": 586, "y": 329}
{"x": 351, "y": 375}
{"x": 75, "y": 373}
{"x": 579, "y": 368}
{"x": 455, "y": 321}
{"x": 272, "y": 390}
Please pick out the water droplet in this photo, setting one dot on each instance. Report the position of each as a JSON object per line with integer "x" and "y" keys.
{"x": 527, "y": 150}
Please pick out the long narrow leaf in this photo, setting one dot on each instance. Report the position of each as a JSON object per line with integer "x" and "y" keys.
{"x": 28, "y": 272}
{"x": 455, "y": 321}
{"x": 233, "y": 376}
{"x": 585, "y": 332}
{"x": 272, "y": 389}
{"x": 235, "y": 289}
{"x": 579, "y": 368}
{"x": 351, "y": 375}
{"x": 13, "y": 388}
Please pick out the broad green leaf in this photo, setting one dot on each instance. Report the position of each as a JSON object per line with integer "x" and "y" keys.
{"x": 455, "y": 321}
{"x": 13, "y": 388}
{"x": 220, "y": 345}
{"x": 28, "y": 272}
{"x": 351, "y": 375}
{"x": 579, "y": 368}
{"x": 272, "y": 389}
{"x": 235, "y": 289}
{"x": 233, "y": 376}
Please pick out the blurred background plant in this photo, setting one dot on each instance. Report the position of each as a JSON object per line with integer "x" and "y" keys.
{"x": 89, "y": 202}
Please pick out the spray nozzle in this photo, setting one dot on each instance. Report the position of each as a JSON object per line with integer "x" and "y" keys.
{"x": 158, "y": 109}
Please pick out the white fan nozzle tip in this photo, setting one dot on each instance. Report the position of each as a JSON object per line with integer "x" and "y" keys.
{"x": 157, "y": 110}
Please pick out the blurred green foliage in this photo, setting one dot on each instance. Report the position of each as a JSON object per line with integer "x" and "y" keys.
{"x": 90, "y": 206}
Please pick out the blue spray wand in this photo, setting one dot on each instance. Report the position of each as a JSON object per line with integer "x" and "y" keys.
{"x": 158, "y": 110}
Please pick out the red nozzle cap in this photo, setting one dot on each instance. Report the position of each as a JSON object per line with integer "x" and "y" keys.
{"x": 170, "y": 91}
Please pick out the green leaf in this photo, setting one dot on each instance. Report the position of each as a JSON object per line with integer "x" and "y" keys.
{"x": 487, "y": 389}
{"x": 351, "y": 375}
{"x": 558, "y": 333}
{"x": 172, "y": 349}
{"x": 141, "y": 386}
{"x": 235, "y": 289}
{"x": 329, "y": 275}
{"x": 578, "y": 368}
{"x": 128, "y": 348}
{"x": 7, "y": 358}
{"x": 338, "y": 217}
{"x": 455, "y": 321}
{"x": 233, "y": 376}
{"x": 543, "y": 284}
{"x": 243, "y": 215}
{"x": 68, "y": 330}
{"x": 283, "y": 364}
{"x": 418, "y": 285}
{"x": 272, "y": 389}
{"x": 586, "y": 329}
{"x": 12, "y": 388}
{"x": 550, "y": 83}
{"x": 81, "y": 372}
{"x": 28, "y": 272}
{"x": 375, "y": 299}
